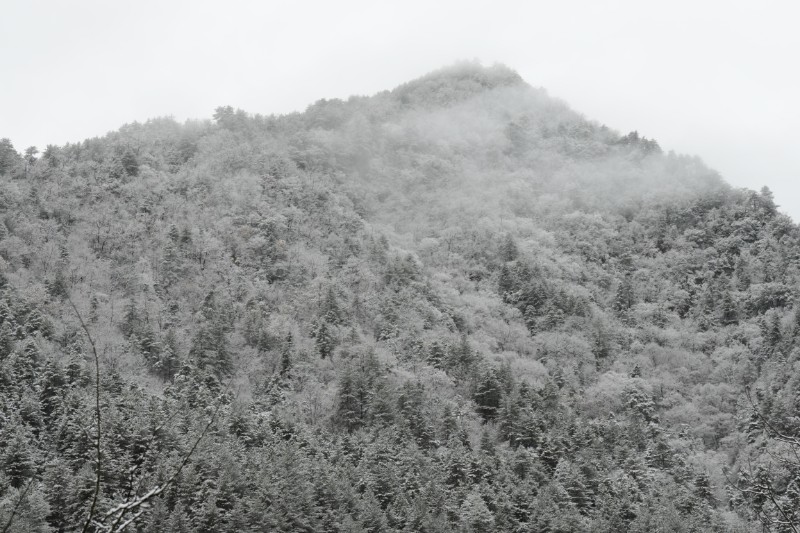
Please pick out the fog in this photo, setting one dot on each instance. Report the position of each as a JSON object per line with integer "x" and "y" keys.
{"x": 715, "y": 79}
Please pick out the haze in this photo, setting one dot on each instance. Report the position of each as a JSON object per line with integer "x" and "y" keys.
{"x": 715, "y": 79}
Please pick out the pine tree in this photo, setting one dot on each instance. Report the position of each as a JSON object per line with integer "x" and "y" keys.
{"x": 624, "y": 298}
{"x": 601, "y": 345}
{"x": 508, "y": 249}
{"x": 131, "y": 322}
{"x": 449, "y": 424}
{"x": 549, "y": 453}
{"x": 436, "y": 355}
{"x": 505, "y": 284}
{"x": 702, "y": 488}
{"x": 730, "y": 314}
{"x": 349, "y": 410}
{"x": 76, "y": 374}
{"x": 475, "y": 515}
{"x": 771, "y": 332}
{"x": 173, "y": 234}
{"x": 508, "y": 420}
{"x": 186, "y": 237}
{"x": 325, "y": 341}
{"x": 35, "y": 323}
{"x": 31, "y": 510}
{"x": 210, "y": 348}
{"x": 660, "y": 455}
{"x": 170, "y": 265}
{"x": 573, "y": 482}
{"x": 796, "y": 326}
{"x": 461, "y": 357}
{"x": 742, "y": 274}
{"x": 286, "y": 356}
{"x": 9, "y": 158}
{"x": 57, "y": 287}
{"x": 52, "y": 385}
{"x": 553, "y": 317}
{"x": 17, "y": 462}
{"x": 94, "y": 306}
{"x": 5, "y": 312}
{"x": 488, "y": 395}
{"x": 169, "y": 360}
{"x": 531, "y": 319}
{"x": 330, "y": 310}
{"x": 7, "y": 341}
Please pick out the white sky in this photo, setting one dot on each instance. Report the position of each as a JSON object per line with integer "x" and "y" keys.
{"x": 719, "y": 79}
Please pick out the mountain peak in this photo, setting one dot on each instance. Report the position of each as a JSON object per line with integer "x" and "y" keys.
{"x": 456, "y": 82}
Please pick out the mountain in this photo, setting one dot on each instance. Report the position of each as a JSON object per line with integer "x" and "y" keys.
{"x": 454, "y": 306}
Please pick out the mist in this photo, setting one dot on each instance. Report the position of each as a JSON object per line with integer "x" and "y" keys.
{"x": 711, "y": 80}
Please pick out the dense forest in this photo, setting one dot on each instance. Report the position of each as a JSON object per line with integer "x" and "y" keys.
{"x": 453, "y": 306}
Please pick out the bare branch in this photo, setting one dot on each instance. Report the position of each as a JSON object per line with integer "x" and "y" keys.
{"x": 97, "y": 415}
{"x": 767, "y": 489}
{"x": 16, "y": 507}
{"x": 140, "y": 503}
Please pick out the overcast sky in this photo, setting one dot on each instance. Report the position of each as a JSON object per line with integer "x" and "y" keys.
{"x": 718, "y": 79}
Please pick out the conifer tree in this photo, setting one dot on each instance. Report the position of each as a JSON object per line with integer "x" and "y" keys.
{"x": 7, "y": 341}
{"x": 508, "y": 249}
{"x": 624, "y": 298}
{"x": 286, "y": 356}
{"x": 475, "y": 515}
{"x": 436, "y": 355}
{"x": 325, "y": 341}
{"x": 349, "y": 408}
{"x": 17, "y": 462}
{"x": 488, "y": 395}
{"x": 505, "y": 284}
{"x": 169, "y": 360}
{"x": 728, "y": 310}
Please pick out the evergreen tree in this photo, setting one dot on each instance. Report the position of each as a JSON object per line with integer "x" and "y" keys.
{"x": 601, "y": 345}
{"x": 286, "y": 356}
{"x": 505, "y": 284}
{"x": 436, "y": 355}
{"x": 169, "y": 361}
{"x": 131, "y": 321}
{"x": 9, "y": 158}
{"x": 730, "y": 314}
{"x": 16, "y": 458}
{"x": 624, "y": 298}
{"x": 475, "y": 515}
{"x": 52, "y": 385}
{"x": 7, "y": 341}
{"x": 350, "y": 408}
{"x": 325, "y": 341}
{"x": 702, "y": 488}
{"x": 210, "y": 348}
{"x": 508, "y": 249}
{"x": 330, "y": 310}
{"x": 94, "y": 306}
{"x": 488, "y": 395}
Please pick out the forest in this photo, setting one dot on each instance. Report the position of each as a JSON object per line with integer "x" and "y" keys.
{"x": 454, "y": 306}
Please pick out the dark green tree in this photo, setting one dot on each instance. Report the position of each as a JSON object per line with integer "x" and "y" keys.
{"x": 9, "y": 158}
{"x": 488, "y": 395}
{"x": 325, "y": 341}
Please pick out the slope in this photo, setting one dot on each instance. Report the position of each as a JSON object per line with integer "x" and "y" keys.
{"x": 454, "y": 306}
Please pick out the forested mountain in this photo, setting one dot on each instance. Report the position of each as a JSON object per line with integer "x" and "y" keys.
{"x": 453, "y": 306}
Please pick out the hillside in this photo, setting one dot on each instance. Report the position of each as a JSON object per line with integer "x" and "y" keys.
{"x": 454, "y": 306}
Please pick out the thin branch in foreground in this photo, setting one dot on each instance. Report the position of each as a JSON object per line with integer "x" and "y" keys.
{"x": 140, "y": 503}
{"x": 17, "y": 505}
{"x": 767, "y": 490}
{"x": 97, "y": 415}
